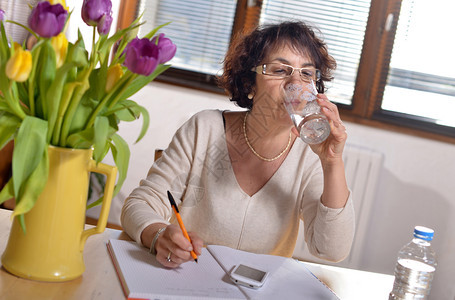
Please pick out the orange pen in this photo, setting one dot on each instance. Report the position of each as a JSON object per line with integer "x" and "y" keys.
{"x": 179, "y": 219}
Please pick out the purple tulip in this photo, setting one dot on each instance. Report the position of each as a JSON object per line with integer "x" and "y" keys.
{"x": 141, "y": 56}
{"x": 2, "y": 15}
{"x": 98, "y": 13}
{"x": 166, "y": 47}
{"x": 47, "y": 20}
{"x": 104, "y": 25}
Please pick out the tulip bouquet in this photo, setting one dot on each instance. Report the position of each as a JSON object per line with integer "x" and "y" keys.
{"x": 57, "y": 93}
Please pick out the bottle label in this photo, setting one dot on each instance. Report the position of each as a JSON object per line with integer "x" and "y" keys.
{"x": 416, "y": 265}
{"x": 412, "y": 279}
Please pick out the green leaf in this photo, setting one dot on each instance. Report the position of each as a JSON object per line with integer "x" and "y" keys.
{"x": 145, "y": 123}
{"x": 104, "y": 49}
{"x": 24, "y": 27}
{"x": 77, "y": 54}
{"x": 80, "y": 39}
{"x": 4, "y": 49}
{"x": 122, "y": 35}
{"x": 73, "y": 106}
{"x": 39, "y": 112}
{"x": 4, "y": 81}
{"x": 155, "y": 30}
{"x": 82, "y": 139}
{"x": 32, "y": 187}
{"x": 95, "y": 203}
{"x": 66, "y": 98}
{"x": 23, "y": 93}
{"x": 4, "y": 106}
{"x": 83, "y": 112}
{"x": 8, "y": 126}
{"x": 98, "y": 79}
{"x": 128, "y": 110}
{"x": 121, "y": 155}
{"x": 54, "y": 96}
{"x": 22, "y": 222}
{"x": 125, "y": 110}
{"x": 30, "y": 99}
{"x": 47, "y": 66}
{"x": 101, "y": 137}
{"x": 141, "y": 81}
{"x": 30, "y": 144}
{"x": 7, "y": 191}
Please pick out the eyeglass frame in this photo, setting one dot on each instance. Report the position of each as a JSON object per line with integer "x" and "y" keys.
{"x": 263, "y": 67}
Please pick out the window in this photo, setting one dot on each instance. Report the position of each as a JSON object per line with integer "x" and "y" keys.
{"x": 392, "y": 74}
{"x": 423, "y": 84}
{"x": 201, "y": 29}
{"x": 19, "y": 12}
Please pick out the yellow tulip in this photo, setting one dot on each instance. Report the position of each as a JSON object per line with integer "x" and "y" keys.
{"x": 60, "y": 45}
{"x": 19, "y": 65}
{"x": 62, "y": 2}
{"x": 114, "y": 73}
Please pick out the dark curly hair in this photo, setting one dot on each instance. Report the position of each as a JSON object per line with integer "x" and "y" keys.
{"x": 248, "y": 51}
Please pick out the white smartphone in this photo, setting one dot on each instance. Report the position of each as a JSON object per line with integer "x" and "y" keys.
{"x": 248, "y": 276}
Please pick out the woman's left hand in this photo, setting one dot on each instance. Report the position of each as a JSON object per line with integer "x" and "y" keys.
{"x": 332, "y": 148}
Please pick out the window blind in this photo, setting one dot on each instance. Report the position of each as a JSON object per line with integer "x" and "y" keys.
{"x": 421, "y": 76}
{"x": 17, "y": 11}
{"x": 341, "y": 25}
{"x": 201, "y": 29}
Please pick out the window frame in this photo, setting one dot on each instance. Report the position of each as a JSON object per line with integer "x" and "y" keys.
{"x": 371, "y": 77}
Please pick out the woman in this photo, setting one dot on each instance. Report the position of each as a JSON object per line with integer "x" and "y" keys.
{"x": 243, "y": 179}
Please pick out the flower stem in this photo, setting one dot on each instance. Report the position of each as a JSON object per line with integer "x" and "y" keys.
{"x": 92, "y": 57}
{"x": 13, "y": 103}
{"x": 122, "y": 84}
{"x": 66, "y": 97}
{"x": 119, "y": 94}
{"x": 95, "y": 46}
{"x": 74, "y": 103}
{"x": 31, "y": 83}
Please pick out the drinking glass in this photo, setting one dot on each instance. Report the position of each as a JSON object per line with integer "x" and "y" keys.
{"x": 305, "y": 112}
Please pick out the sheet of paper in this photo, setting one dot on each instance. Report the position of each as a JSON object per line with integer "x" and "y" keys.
{"x": 146, "y": 278}
{"x": 288, "y": 278}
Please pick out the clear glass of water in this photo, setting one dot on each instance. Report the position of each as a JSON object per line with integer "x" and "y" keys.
{"x": 305, "y": 112}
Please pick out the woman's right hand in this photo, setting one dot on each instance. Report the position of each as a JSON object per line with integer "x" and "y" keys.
{"x": 173, "y": 244}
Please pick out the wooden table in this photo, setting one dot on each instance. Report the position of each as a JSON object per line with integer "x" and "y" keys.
{"x": 100, "y": 280}
{"x": 351, "y": 284}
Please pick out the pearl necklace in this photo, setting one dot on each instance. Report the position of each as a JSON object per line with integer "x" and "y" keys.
{"x": 254, "y": 151}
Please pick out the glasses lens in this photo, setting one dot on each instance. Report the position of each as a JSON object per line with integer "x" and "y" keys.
{"x": 282, "y": 70}
{"x": 308, "y": 74}
{"x": 275, "y": 69}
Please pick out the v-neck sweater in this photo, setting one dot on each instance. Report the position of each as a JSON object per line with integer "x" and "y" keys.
{"x": 197, "y": 170}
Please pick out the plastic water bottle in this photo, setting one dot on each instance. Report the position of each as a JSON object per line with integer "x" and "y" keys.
{"x": 415, "y": 267}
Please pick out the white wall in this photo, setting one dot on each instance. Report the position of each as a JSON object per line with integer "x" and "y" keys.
{"x": 416, "y": 187}
{"x": 76, "y": 23}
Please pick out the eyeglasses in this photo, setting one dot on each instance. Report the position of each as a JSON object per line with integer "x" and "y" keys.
{"x": 283, "y": 71}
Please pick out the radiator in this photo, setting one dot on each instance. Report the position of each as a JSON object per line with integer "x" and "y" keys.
{"x": 362, "y": 168}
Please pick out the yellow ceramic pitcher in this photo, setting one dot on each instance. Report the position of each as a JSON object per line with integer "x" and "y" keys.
{"x": 51, "y": 249}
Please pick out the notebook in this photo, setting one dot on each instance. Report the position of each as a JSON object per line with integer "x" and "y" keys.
{"x": 142, "y": 277}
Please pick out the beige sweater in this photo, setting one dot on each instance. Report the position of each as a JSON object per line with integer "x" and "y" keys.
{"x": 196, "y": 168}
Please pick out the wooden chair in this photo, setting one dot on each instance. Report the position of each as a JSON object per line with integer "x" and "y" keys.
{"x": 158, "y": 153}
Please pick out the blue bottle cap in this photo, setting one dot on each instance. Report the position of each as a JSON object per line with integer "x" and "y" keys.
{"x": 423, "y": 233}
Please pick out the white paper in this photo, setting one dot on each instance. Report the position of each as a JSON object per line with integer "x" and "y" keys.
{"x": 146, "y": 278}
{"x": 288, "y": 278}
